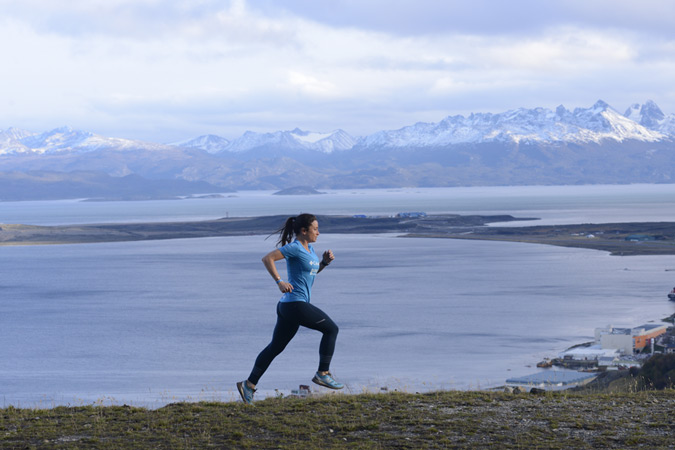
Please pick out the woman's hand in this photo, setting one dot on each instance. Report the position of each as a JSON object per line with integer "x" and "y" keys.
{"x": 328, "y": 257}
{"x": 285, "y": 287}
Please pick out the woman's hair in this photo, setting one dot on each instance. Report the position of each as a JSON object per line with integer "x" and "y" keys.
{"x": 294, "y": 226}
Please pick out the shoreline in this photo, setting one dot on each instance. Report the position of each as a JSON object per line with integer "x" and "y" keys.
{"x": 619, "y": 239}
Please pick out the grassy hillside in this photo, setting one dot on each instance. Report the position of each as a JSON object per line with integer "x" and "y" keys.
{"x": 370, "y": 421}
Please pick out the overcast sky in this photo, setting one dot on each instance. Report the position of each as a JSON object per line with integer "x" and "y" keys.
{"x": 168, "y": 70}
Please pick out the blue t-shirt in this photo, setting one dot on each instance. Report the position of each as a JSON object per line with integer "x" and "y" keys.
{"x": 301, "y": 267}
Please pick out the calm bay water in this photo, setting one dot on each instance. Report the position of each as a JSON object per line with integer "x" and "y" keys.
{"x": 553, "y": 204}
{"x": 148, "y": 323}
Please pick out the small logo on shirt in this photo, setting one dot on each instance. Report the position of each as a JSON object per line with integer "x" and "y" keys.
{"x": 315, "y": 267}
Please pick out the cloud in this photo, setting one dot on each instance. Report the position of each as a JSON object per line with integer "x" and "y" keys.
{"x": 163, "y": 70}
{"x": 566, "y": 49}
{"x": 480, "y": 17}
{"x": 310, "y": 85}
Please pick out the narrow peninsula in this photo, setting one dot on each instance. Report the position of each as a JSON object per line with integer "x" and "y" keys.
{"x": 624, "y": 239}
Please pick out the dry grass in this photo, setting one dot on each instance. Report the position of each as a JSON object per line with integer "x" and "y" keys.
{"x": 454, "y": 419}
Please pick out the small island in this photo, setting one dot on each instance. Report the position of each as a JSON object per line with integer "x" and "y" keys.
{"x": 299, "y": 190}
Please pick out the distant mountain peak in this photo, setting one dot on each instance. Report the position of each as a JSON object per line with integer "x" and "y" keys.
{"x": 210, "y": 143}
{"x": 650, "y": 116}
{"x": 295, "y": 139}
{"x": 601, "y": 105}
{"x": 10, "y": 141}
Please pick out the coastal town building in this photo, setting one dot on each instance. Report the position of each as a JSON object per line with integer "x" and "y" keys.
{"x": 628, "y": 340}
{"x": 640, "y": 238}
{"x": 667, "y": 342}
{"x": 589, "y": 353}
{"x": 616, "y": 348}
{"x": 412, "y": 214}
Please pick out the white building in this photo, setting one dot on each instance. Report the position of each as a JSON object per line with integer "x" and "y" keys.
{"x": 592, "y": 353}
{"x": 628, "y": 340}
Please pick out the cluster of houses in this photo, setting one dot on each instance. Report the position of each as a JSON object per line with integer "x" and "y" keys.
{"x": 411, "y": 215}
{"x": 613, "y": 349}
{"x": 618, "y": 348}
{"x": 401, "y": 215}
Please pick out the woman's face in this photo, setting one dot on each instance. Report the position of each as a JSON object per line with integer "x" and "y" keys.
{"x": 312, "y": 233}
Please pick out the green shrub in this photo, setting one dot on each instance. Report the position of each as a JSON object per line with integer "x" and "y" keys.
{"x": 659, "y": 371}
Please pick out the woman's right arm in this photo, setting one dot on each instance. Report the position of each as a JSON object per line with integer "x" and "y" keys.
{"x": 269, "y": 262}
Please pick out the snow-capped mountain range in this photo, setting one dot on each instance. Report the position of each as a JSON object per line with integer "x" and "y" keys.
{"x": 583, "y": 125}
{"x": 296, "y": 139}
{"x": 539, "y": 146}
{"x": 65, "y": 139}
{"x": 209, "y": 143}
{"x": 601, "y": 122}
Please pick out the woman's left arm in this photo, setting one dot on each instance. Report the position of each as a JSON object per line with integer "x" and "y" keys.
{"x": 269, "y": 262}
{"x": 328, "y": 257}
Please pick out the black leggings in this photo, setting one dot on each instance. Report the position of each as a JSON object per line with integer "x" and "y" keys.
{"x": 290, "y": 315}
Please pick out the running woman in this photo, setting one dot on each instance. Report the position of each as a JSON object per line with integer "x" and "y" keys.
{"x": 294, "y": 308}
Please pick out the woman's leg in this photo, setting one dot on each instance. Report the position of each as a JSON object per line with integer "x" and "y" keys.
{"x": 312, "y": 317}
{"x": 284, "y": 331}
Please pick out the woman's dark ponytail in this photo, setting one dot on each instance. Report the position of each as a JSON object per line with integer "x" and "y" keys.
{"x": 294, "y": 226}
{"x": 286, "y": 232}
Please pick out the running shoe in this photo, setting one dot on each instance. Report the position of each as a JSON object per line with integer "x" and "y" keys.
{"x": 246, "y": 392}
{"x": 327, "y": 381}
